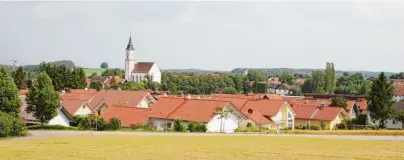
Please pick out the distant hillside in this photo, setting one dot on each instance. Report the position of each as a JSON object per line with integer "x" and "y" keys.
{"x": 278, "y": 71}
{"x": 196, "y": 71}
{"x": 34, "y": 68}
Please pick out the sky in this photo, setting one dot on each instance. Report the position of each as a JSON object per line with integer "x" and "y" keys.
{"x": 207, "y": 35}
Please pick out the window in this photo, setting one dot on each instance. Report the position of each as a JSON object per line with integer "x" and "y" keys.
{"x": 394, "y": 121}
{"x": 249, "y": 125}
{"x": 84, "y": 106}
{"x": 289, "y": 115}
{"x": 250, "y": 111}
{"x": 290, "y": 123}
{"x": 169, "y": 125}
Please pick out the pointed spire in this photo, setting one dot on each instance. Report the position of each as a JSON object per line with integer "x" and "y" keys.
{"x": 129, "y": 47}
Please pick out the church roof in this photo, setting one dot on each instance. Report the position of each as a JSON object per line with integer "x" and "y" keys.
{"x": 130, "y": 45}
{"x": 143, "y": 67}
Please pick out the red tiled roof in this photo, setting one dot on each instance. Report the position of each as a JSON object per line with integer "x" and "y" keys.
{"x": 119, "y": 97}
{"x": 265, "y": 107}
{"x": 274, "y": 96}
{"x": 350, "y": 105}
{"x": 77, "y": 96}
{"x": 328, "y": 113}
{"x": 128, "y": 115}
{"x": 398, "y": 90}
{"x": 256, "y": 116}
{"x": 312, "y": 102}
{"x": 200, "y": 110}
{"x": 23, "y": 92}
{"x": 118, "y": 80}
{"x": 164, "y": 106}
{"x": 143, "y": 67}
{"x": 304, "y": 111}
{"x": 362, "y": 104}
{"x": 72, "y": 105}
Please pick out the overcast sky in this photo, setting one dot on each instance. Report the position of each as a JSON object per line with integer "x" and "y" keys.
{"x": 207, "y": 35}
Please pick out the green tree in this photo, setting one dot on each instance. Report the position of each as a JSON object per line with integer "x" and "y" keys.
{"x": 20, "y": 78}
{"x": 329, "y": 78}
{"x": 246, "y": 87}
{"x": 9, "y": 101}
{"x": 104, "y": 65}
{"x": 228, "y": 81}
{"x": 238, "y": 82}
{"x": 381, "y": 99}
{"x": 224, "y": 114}
{"x": 96, "y": 85}
{"x": 339, "y": 102}
{"x": 179, "y": 125}
{"x": 93, "y": 75}
{"x": 400, "y": 117}
{"x": 79, "y": 78}
{"x": 229, "y": 90}
{"x": 42, "y": 100}
{"x": 133, "y": 86}
{"x": 287, "y": 78}
{"x": 322, "y": 125}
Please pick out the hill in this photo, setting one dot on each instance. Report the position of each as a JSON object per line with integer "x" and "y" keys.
{"x": 34, "y": 68}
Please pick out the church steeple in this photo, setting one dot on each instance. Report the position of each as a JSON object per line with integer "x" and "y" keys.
{"x": 129, "y": 47}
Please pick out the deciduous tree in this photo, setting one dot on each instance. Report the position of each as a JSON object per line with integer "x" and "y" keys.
{"x": 42, "y": 100}
{"x": 9, "y": 101}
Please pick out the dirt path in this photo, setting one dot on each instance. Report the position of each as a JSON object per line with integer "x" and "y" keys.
{"x": 47, "y": 134}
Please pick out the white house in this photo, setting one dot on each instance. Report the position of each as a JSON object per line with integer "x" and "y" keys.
{"x": 166, "y": 110}
{"x": 398, "y": 93}
{"x": 390, "y": 123}
{"x": 77, "y": 107}
{"x": 62, "y": 118}
{"x": 137, "y": 71}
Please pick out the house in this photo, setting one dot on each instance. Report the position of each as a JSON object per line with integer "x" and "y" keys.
{"x": 166, "y": 110}
{"x": 390, "y": 123}
{"x": 308, "y": 115}
{"x": 137, "y": 71}
{"x": 265, "y": 113}
{"x": 129, "y": 115}
{"x": 398, "y": 93}
{"x": 300, "y": 81}
{"x": 105, "y": 80}
{"x": 77, "y": 107}
{"x": 62, "y": 118}
{"x": 272, "y": 114}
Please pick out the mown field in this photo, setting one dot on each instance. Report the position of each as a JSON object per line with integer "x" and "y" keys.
{"x": 94, "y": 147}
{"x": 90, "y": 71}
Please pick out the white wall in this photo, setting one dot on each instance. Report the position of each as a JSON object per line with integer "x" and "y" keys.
{"x": 84, "y": 110}
{"x": 144, "y": 103}
{"x": 389, "y": 123}
{"x": 399, "y": 98}
{"x": 129, "y": 64}
{"x": 159, "y": 124}
{"x": 134, "y": 75}
{"x": 60, "y": 119}
{"x": 228, "y": 125}
{"x": 155, "y": 72}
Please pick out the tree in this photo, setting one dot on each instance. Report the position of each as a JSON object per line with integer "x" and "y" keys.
{"x": 397, "y": 76}
{"x": 381, "y": 99}
{"x": 20, "y": 78}
{"x": 322, "y": 125}
{"x": 400, "y": 117}
{"x": 246, "y": 86}
{"x": 179, "y": 125}
{"x": 329, "y": 77}
{"x": 9, "y": 101}
{"x": 114, "y": 72}
{"x": 93, "y": 75}
{"x": 339, "y": 102}
{"x": 79, "y": 78}
{"x": 287, "y": 78}
{"x": 223, "y": 114}
{"x": 104, "y": 65}
{"x": 238, "y": 82}
{"x": 96, "y": 85}
{"x": 133, "y": 86}
{"x": 42, "y": 100}
{"x": 229, "y": 90}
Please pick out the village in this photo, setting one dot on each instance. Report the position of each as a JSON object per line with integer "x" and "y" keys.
{"x": 275, "y": 108}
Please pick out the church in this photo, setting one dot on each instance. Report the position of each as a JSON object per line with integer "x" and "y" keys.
{"x": 137, "y": 71}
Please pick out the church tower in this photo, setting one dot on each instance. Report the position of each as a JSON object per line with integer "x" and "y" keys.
{"x": 130, "y": 60}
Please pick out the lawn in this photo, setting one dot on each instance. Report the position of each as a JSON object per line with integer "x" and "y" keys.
{"x": 90, "y": 71}
{"x": 94, "y": 147}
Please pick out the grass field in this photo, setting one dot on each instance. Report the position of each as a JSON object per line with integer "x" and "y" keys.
{"x": 94, "y": 147}
{"x": 90, "y": 71}
{"x": 331, "y": 132}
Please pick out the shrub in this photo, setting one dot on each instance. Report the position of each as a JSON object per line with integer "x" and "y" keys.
{"x": 179, "y": 125}
{"x": 91, "y": 123}
{"x": 51, "y": 127}
{"x": 197, "y": 127}
{"x": 313, "y": 127}
{"x": 114, "y": 123}
{"x": 322, "y": 125}
{"x": 11, "y": 126}
{"x": 142, "y": 127}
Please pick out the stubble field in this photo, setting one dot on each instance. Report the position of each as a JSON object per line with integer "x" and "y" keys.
{"x": 96, "y": 147}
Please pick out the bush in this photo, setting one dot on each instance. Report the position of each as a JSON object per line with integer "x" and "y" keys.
{"x": 179, "y": 126}
{"x": 51, "y": 127}
{"x": 322, "y": 125}
{"x": 142, "y": 127}
{"x": 197, "y": 127}
{"x": 11, "y": 126}
{"x": 114, "y": 124}
{"x": 91, "y": 123}
{"x": 313, "y": 127}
